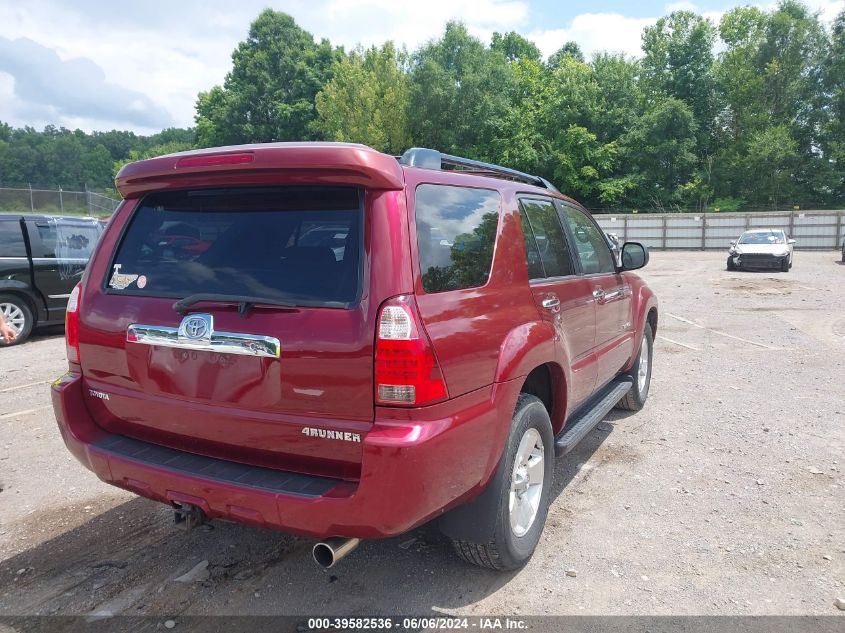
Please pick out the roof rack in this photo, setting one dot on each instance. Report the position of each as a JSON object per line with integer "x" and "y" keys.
{"x": 432, "y": 159}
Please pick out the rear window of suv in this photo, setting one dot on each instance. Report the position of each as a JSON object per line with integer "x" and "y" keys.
{"x": 300, "y": 245}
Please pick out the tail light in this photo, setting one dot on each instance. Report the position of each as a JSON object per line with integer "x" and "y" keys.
{"x": 72, "y": 325}
{"x": 407, "y": 371}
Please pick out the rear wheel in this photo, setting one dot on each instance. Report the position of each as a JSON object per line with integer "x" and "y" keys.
{"x": 523, "y": 493}
{"x": 18, "y": 316}
{"x": 635, "y": 399}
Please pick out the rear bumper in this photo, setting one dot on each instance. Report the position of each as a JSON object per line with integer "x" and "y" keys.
{"x": 416, "y": 464}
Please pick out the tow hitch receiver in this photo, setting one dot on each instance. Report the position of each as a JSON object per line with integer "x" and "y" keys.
{"x": 186, "y": 516}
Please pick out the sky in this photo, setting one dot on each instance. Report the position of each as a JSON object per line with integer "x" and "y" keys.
{"x": 140, "y": 65}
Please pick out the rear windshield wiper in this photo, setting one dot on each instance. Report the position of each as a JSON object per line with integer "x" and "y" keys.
{"x": 245, "y": 303}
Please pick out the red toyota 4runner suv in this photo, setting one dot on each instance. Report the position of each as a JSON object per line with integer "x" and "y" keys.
{"x": 325, "y": 340}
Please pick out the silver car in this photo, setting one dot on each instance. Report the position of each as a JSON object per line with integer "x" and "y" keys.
{"x": 761, "y": 248}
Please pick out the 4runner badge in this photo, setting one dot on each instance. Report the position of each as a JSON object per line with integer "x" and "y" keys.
{"x": 331, "y": 435}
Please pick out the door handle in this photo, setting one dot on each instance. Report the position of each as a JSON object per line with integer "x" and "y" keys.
{"x": 551, "y": 303}
{"x": 598, "y": 293}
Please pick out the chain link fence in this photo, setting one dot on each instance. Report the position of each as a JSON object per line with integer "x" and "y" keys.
{"x": 56, "y": 202}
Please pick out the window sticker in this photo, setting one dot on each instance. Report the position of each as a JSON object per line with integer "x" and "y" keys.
{"x": 121, "y": 281}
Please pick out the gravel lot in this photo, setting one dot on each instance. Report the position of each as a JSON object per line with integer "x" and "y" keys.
{"x": 723, "y": 496}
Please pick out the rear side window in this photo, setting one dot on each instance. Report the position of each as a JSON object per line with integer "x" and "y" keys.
{"x": 300, "y": 245}
{"x": 548, "y": 235}
{"x": 532, "y": 252}
{"x": 11, "y": 239}
{"x": 456, "y": 235}
{"x": 61, "y": 239}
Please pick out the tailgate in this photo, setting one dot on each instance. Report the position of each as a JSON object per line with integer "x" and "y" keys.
{"x": 282, "y": 380}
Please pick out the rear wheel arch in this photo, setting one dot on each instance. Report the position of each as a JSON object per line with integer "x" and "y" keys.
{"x": 548, "y": 383}
{"x": 525, "y": 347}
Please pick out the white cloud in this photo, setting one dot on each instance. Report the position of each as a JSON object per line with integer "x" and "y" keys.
{"x": 828, "y": 9}
{"x": 595, "y": 32}
{"x": 350, "y": 22}
{"x": 172, "y": 51}
{"x": 42, "y": 79}
{"x": 167, "y": 52}
{"x": 615, "y": 32}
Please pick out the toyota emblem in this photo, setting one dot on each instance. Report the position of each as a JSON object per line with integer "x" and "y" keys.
{"x": 196, "y": 327}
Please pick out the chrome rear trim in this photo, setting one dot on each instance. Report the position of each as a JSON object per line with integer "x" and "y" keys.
{"x": 209, "y": 340}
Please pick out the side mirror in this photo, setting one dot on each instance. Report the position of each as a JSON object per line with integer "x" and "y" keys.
{"x": 733, "y": 242}
{"x": 791, "y": 241}
{"x": 634, "y": 256}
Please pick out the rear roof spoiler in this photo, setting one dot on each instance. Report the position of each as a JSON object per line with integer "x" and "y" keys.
{"x": 263, "y": 163}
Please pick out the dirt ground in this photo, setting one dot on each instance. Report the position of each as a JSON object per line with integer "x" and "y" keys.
{"x": 723, "y": 496}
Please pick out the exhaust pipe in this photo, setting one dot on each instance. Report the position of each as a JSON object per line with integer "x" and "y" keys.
{"x": 327, "y": 553}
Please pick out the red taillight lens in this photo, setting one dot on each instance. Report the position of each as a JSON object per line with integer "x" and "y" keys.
{"x": 407, "y": 371}
{"x": 72, "y": 325}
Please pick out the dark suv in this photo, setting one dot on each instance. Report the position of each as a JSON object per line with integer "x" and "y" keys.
{"x": 41, "y": 259}
{"x": 323, "y": 339}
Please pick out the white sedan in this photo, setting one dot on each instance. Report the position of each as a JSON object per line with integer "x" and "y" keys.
{"x": 761, "y": 248}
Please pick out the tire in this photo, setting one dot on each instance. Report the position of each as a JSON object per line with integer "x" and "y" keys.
{"x": 635, "y": 399}
{"x": 784, "y": 265}
{"x": 513, "y": 542}
{"x": 731, "y": 265}
{"x": 18, "y": 315}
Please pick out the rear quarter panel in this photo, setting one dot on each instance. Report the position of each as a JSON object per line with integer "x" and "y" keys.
{"x": 469, "y": 328}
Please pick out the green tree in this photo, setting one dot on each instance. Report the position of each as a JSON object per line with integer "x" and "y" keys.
{"x": 269, "y": 93}
{"x": 570, "y": 49}
{"x": 678, "y": 62}
{"x": 367, "y": 100}
{"x": 519, "y": 141}
{"x": 459, "y": 94}
{"x": 772, "y": 75}
{"x": 833, "y": 130}
{"x": 515, "y": 47}
{"x": 661, "y": 151}
{"x": 579, "y": 159}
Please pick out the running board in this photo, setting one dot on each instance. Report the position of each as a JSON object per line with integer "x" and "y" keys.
{"x": 588, "y": 416}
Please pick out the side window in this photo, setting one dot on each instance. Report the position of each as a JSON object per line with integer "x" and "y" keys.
{"x": 65, "y": 240}
{"x": 548, "y": 233}
{"x": 590, "y": 243}
{"x": 11, "y": 239}
{"x": 532, "y": 252}
{"x": 456, "y": 234}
